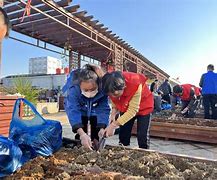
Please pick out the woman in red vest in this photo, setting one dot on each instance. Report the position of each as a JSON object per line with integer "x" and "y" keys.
{"x": 132, "y": 98}
{"x": 190, "y": 96}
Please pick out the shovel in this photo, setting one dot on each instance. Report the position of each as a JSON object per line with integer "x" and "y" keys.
{"x": 101, "y": 144}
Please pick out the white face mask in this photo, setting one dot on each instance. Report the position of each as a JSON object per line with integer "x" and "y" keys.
{"x": 90, "y": 94}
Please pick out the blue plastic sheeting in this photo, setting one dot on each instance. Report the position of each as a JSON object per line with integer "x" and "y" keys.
{"x": 166, "y": 106}
{"x": 10, "y": 156}
{"x": 37, "y": 136}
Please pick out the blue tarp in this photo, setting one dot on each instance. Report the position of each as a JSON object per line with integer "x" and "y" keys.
{"x": 37, "y": 136}
{"x": 10, "y": 156}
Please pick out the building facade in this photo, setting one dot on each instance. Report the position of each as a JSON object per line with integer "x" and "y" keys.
{"x": 44, "y": 65}
{"x": 40, "y": 81}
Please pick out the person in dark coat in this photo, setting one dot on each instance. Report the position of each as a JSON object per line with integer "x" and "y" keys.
{"x": 166, "y": 90}
{"x": 157, "y": 96}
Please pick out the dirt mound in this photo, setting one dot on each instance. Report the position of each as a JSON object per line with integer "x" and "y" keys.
{"x": 114, "y": 163}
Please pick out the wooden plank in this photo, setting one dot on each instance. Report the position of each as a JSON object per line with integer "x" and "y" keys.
{"x": 6, "y": 109}
{"x": 5, "y": 116}
{"x": 4, "y": 102}
{"x": 4, "y": 131}
{"x": 8, "y": 97}
{"x": 5, "y": 123}
{"x": 186, "y": 126}
{"x": 182, "y": 131}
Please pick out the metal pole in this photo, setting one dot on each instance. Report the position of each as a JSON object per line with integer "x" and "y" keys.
{"x": 70, "y": 60}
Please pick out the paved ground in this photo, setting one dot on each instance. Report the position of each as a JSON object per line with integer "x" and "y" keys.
{"x": 169, "y": 146}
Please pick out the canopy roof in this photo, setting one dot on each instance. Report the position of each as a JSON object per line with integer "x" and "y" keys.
{"x": 60, "y": 23}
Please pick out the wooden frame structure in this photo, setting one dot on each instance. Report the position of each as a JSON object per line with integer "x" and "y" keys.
{"x": 62, "y": 25}
{"x": 187, "y": 132}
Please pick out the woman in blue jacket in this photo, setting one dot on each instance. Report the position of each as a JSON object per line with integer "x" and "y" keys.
{"x": 87, "y": 102}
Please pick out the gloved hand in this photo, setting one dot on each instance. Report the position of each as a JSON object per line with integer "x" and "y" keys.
{"x": 101, "y": 133}
{"x": 173, "y": 116}
{"x": 86, "y": 141}
{"x": 110, "y": 130}
{"x": 184, "y": 110}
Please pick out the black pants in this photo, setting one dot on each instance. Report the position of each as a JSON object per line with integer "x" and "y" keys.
{"x": 143, "y": 123}
{"x": 192, "y": 109}
{"x": 166, "y": 97}
{"x": 157, "y": 103}
{"x": 94, "y": 130}
{"x": 210, "y": 101}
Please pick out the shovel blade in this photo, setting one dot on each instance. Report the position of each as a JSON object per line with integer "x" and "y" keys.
{"x": 102, "y": 143}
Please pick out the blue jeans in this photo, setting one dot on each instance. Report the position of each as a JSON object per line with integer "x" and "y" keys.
{"x": 143, "y": 123}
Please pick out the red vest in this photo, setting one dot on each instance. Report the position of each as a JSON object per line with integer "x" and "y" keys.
{"x": 186, "y": 91}
{"x": 197, "y": 91}
{"x": 132, "y": 82}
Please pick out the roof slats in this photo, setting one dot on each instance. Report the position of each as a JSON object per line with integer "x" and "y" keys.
{"x": 66, "y": 24}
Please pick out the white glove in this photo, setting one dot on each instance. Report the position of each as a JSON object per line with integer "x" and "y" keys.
{"x": 110, "y": 130}
{"x": 86, "y": 141}
{"x": 101, "y": 133}
{"x": 173, "y": 116}
{"x": 184, "y": 110}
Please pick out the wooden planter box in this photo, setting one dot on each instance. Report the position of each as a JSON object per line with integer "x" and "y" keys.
{"x": 6, "y": 110}
{"x": 181, "y": 131}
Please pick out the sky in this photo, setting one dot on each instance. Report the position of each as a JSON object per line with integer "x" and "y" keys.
{"x": 179, "y": 36}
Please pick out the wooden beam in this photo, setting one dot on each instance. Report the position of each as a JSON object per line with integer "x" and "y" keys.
{"x": 104, "y": 29}
{"x": 80, "y": 14}
{"x": 72, "y": 9}
{"x": 42, "y": 23}
{"x": 35, "y": 15}
{"x": 19, "y": 6}
{"x": 86, "y": 18}
{"x": 93, "y": 23}
{"x": 98, "y": 26}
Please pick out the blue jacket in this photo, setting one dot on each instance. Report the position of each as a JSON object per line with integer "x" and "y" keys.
{"x": 77, "y": 105}
{"x": 208, "y": 82}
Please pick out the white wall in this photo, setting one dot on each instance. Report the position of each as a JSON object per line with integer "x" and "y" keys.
{"x": 45, "y": 82}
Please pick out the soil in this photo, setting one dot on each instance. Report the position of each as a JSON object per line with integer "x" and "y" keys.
{"x": 164, "y": 117}
{"x": 114, "y": 163}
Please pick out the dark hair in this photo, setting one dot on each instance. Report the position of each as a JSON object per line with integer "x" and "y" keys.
{"x": 210, "y": 67}
{"x": 177, "y": 89}
{"x": 112, "y": 82}
{"x": 88, "y": 73}
{"x": 6, "y": 21}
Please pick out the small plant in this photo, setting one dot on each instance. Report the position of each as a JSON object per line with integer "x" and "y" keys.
{"x": 24, "y": 87}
